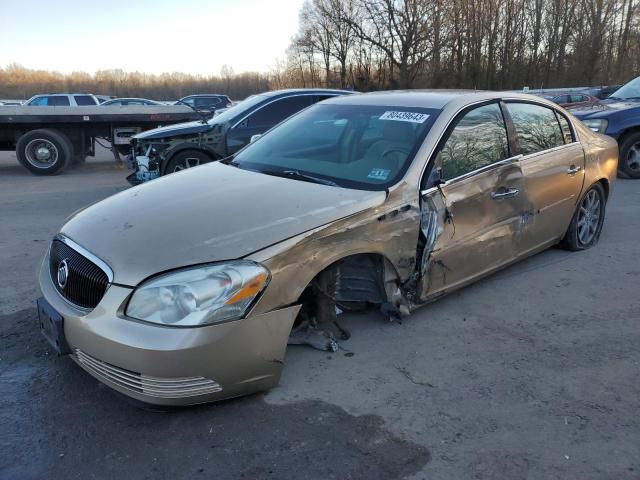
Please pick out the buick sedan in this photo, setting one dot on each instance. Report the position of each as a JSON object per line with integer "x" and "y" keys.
{"x": 188, "y": 289}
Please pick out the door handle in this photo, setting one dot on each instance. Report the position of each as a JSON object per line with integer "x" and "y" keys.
{"x": 573, "y": 169}
{"x": 504, "y": 193}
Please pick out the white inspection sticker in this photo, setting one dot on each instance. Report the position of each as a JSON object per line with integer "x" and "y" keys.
{"x": 412, "y": 117}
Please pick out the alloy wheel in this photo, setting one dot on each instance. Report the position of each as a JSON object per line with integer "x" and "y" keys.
{"x": 188, "y": 162}
{"x": 633, "y": 157}
{"x": 589, "y": 217}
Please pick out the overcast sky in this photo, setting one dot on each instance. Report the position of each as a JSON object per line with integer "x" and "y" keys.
{"x": 153, "y": 36}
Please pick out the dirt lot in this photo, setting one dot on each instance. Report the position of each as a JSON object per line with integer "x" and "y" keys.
{"x": 532, "y": 373}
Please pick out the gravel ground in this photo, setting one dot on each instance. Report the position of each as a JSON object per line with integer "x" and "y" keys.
{"x": 531, "y": 373}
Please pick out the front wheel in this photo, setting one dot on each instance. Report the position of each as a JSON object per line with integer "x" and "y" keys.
{"x": 630, "y": 155}
{"x": 586, "y": 224}
{"x": 187, "y": 159}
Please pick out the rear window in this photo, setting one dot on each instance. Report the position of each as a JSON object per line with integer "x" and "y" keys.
{"x": 59, "y": 101}
{"x": 207, "y": 101}
{"x": 84, "y": 100}
{"x": 537, "y": 127}
{"x": 567, "y": 134}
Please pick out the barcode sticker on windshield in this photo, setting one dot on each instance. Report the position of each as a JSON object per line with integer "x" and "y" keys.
{"x": 412, "y": 117}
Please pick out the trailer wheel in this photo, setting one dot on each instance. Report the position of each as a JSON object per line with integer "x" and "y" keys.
{"x": 44, "y": 152}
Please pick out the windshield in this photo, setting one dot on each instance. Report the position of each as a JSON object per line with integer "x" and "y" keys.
{"x": 628, "y": 91}
{"x": 353, "y": 146}
{"x": 238, "y": 108}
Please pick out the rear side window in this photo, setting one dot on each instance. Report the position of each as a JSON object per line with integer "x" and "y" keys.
{"x": 39, "y": 102}
{"x": 58, "y": 101}
{"x": 478, "y": 139}
{"x": 562, "y": 99}
{"x": 567, "y": 135}
{"x": 277, "y": 111}
{"x": 84, "y": 100}
{"x": 537, "y": 128}
{"x": 577, "y": 98}
{"x": 207, "y": 101}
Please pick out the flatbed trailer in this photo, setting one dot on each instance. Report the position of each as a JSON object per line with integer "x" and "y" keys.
{"x": 49, "y": 139}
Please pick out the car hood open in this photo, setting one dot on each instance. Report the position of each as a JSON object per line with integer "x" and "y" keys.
{"x": 205, "y": 214}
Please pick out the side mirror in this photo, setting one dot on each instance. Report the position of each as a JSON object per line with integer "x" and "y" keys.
{"x": 255, "y": 137}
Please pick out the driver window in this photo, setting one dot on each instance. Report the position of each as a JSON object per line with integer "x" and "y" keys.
{"x": 478, "y": 139}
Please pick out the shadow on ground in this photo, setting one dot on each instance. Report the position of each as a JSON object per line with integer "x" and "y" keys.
{"x": 57, "y": 421}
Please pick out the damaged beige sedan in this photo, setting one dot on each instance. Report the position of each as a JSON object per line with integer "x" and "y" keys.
{"x": 188, "y": 289}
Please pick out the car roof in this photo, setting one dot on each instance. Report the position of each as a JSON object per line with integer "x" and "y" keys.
{"x": 436, "y": 99}
{"x": 307, "y": 91}
{"x": 129, "y": 98}
{"x": 60, "y": 94}
{"x": 206, "y": 95}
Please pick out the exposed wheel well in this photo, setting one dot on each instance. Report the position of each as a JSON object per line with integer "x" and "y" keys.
{"x": 354, "y": 282}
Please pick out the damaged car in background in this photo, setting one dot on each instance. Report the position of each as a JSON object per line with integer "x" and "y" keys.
{"x": 381, "y": 201}
{"x": 171, "y": 149}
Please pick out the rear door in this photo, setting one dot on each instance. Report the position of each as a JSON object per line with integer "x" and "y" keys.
{"x": 472, "y": 223}
{"x": 553, "y": 169}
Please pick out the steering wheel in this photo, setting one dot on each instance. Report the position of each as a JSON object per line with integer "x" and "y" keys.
{"x": 394, "y": 150}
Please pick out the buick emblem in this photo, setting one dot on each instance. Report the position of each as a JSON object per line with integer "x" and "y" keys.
{"x": 63, "y": 274}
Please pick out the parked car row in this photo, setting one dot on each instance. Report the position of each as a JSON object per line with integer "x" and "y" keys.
{"x": 571, "y": 100}
{"x": 204, "y": 103}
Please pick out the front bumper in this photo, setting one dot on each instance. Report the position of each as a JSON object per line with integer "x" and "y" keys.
{"x": 172, "y": 366}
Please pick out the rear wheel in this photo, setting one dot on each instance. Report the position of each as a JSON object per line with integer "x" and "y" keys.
{"x": 586, "y": 224}
{"x": 44, "y": 152}
{"x": 187, "y": 159}
{"x": 630, "y": 155}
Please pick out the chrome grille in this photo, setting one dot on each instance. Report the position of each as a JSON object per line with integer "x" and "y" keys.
{"x": 85, "y": 282}
{"x": 159, "y": 387}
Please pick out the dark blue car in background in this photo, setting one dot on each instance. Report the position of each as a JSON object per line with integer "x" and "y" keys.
{"x": 619, "y": 117}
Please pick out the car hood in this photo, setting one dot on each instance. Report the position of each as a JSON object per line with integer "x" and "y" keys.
{"x": 605, "y": 109}
{"x": 175, "y": 130}
{"x": 205, "y": 214}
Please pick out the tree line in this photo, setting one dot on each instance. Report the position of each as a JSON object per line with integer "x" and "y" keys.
{"x": 381, "y": 44}
{"x": 18, "y": 82}
{"x": 484, "y": 44}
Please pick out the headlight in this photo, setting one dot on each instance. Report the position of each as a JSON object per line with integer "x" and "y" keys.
{"x": 598, "y": 125}
{"x": 199, "y": 295}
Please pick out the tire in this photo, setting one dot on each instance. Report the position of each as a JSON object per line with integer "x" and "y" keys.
{"x": 44, "y": 152}
{"x": 629, "y": 162}
{"x": 186, "y": 159}
{"x": 585, "y": 228}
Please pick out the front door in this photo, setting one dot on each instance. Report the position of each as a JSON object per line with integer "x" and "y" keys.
{"x": 471, "y": 224}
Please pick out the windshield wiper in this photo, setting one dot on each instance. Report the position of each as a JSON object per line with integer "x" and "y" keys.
{"x": 296, "y": 175}
{"x": 229, "y": 161}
